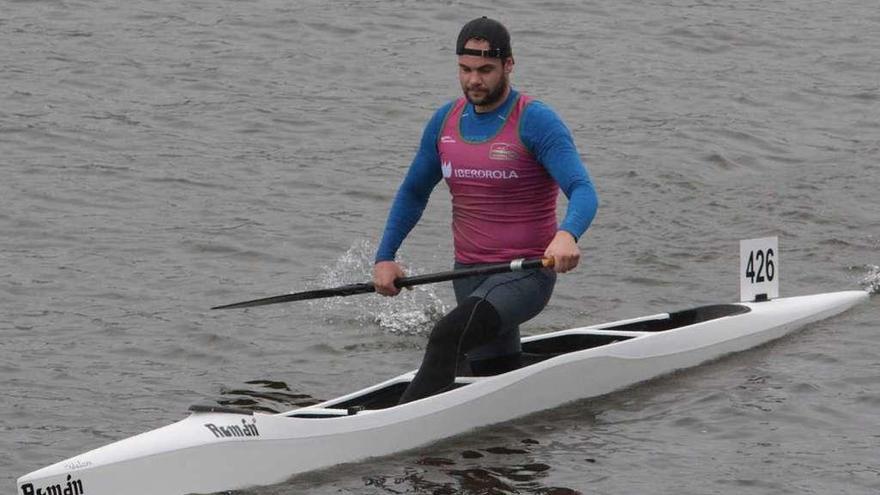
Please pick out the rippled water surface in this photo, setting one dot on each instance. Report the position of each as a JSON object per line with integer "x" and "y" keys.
{"x": 159, "y": 158}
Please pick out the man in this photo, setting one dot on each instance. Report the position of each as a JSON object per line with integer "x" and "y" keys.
{"x": 504, "y": 157}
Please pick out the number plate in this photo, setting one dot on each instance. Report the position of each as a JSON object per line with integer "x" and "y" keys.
{"x": 758, "y": 269}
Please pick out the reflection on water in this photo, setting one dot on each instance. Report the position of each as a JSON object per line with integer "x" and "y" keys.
{"x": 267, "y": 396}
{"x": 499, "y": 470}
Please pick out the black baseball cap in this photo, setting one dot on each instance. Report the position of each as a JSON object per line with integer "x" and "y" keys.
{"x": 487, "y": 29}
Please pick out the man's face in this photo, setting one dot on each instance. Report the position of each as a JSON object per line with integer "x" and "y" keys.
{"x": 483, "y": 80}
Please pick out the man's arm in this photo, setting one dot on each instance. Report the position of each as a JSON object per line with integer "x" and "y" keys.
{"x": 547, "y": 137}
{"x": 409, "y": 204}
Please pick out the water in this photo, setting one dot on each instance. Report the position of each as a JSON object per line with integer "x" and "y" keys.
{"x": 159, "y": 158}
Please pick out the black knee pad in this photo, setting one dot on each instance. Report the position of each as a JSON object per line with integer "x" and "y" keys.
{"x": 471, "y": 323}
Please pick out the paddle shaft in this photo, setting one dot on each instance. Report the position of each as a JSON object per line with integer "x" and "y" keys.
{"x": 429, "y": 278}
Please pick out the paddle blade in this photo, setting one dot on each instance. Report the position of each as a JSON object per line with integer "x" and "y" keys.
{"x": 345, "y": 290}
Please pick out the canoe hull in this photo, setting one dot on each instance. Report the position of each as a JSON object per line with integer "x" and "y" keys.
{"x": 209, "y": 452}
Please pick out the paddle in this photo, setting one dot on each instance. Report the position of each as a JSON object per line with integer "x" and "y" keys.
{"x": 364, "y": 288}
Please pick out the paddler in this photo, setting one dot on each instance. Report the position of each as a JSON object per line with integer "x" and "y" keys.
{"x": 504, "y": 156}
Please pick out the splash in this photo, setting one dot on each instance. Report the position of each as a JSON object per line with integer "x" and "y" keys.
{"x": 412, "y": 312}
{"x": 871, "y": 281}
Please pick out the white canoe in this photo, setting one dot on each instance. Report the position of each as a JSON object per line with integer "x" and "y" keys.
{"x": 217, "y": 449}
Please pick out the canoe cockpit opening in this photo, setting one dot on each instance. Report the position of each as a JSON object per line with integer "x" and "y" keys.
{"x": 538, "y": 350}
{"x": 533, "y": 352}
{"x": 382, "y": 398}
{"x": 683, "y": 318}
{"x": 377, "y": 399}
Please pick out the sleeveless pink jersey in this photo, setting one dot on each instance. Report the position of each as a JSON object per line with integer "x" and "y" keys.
{"x": 503, "y": 200}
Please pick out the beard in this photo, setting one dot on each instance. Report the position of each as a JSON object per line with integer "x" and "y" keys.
{"x": 493, "y": 96}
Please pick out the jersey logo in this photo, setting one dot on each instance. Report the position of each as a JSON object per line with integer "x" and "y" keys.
{"x": 502, "y": 151}
{"x": 447, "y": 140}
{"x": 446, "y": 167}
{"x": 475, "y": 173}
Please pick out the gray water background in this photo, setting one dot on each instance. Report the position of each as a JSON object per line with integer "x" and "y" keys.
{"x": 159, "y": 158}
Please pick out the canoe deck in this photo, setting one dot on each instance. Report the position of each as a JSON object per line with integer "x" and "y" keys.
{"x": 534, "y": 350}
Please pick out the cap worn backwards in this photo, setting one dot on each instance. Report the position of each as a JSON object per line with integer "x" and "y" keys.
{"x": 485, "y": 29}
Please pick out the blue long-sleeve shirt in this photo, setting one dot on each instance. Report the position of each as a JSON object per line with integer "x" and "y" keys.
{"x": 542, "y": 132}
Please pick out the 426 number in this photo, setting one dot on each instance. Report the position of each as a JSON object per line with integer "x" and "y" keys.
{"x": 760, "y": 267}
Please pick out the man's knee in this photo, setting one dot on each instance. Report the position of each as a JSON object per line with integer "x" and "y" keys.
{"x": 472, "y": 320}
